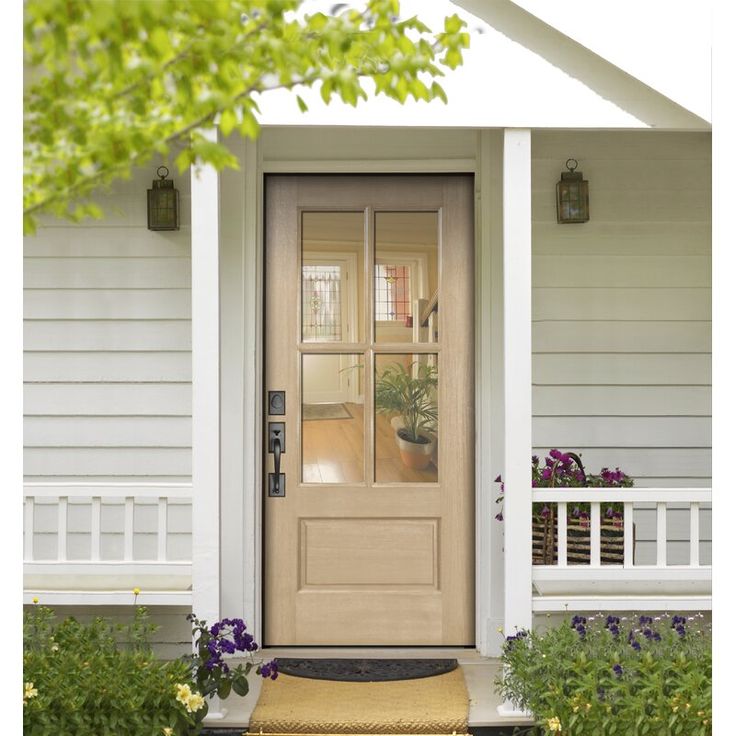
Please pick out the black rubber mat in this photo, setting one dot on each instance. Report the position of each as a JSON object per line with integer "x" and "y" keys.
{"x": 365, "y": 670}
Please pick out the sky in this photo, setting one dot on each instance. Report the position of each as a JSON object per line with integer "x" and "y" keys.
{"x": 645, "y": 38}
{"x": 665, "y": 43}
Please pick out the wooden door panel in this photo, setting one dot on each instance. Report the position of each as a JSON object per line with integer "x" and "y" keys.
{"x": 364, "y": 549}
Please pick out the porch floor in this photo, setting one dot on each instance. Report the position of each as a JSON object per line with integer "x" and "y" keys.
{"x": 479, "y": 674}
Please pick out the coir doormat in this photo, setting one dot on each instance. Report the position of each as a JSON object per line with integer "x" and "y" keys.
{"x": 430, "y": 704}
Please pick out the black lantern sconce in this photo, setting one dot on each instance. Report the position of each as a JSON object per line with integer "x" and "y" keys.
{"x": 572, "y": 195}
{"x": 163, "y": 203}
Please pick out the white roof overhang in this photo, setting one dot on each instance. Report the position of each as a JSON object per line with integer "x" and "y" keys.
{"x": 518, "y": 72}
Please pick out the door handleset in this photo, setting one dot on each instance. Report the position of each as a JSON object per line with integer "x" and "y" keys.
{"x": 276, "y": 445}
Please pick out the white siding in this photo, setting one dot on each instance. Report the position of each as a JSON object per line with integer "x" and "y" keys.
{"x": 621, "y": 314}
{"x": 108, "y": 345}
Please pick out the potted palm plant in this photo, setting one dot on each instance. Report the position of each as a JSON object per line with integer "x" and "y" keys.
{"x": 410, "y": 396}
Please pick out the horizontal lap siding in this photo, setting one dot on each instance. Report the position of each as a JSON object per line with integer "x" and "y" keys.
{"x": 108, "y": 344}
{"x": 621, "y": 329}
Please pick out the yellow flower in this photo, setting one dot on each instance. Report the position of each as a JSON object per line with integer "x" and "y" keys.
{"x": 136, "y": 591}
{"x": 500, "y": 629}
{"x": 29, "y": 691}
{"x": 183, "y": 693}
{"x": 553, "y": 724}
{"x": 195, "y": 702}
{"x": 167, "y": 731}
{"x": 35, "y": 600}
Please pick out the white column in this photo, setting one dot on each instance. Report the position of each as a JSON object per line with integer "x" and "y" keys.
{"x": 206, "y": 397}
{"x": 489, "y": 445}
{"x": 517, "y": 309}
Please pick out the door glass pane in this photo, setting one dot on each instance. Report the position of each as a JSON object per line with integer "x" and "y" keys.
{"x": 332, "y": 276}
{"x": 332, "y": 418}
{"x": 405, "y": 277}
{"x": 407, "y": 421}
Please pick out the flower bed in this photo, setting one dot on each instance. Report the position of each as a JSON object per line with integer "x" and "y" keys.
{"x": 608, "y": 675}
{"x": 100, "y": 678}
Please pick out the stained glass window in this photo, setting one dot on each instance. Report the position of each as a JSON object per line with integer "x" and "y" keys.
{"x": 321, "y": 303}
{"x": 393, "y": 292}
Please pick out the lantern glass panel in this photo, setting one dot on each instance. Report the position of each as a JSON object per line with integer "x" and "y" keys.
{"x": 163, "y": 209}
{"x": 572, "y": 201}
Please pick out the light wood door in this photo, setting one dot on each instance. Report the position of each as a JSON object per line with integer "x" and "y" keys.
{"x": 369, "y": 332}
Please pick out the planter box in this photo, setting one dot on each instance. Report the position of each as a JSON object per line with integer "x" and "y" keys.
{"x": 544, "y": 541}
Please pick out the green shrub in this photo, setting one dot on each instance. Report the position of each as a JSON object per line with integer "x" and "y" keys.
{"x": 607, "y": 675}
{"x": 98, "y": 678}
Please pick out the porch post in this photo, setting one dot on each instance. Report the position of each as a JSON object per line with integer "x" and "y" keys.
{"x": 206, "y": 397}
{"x": 517, "y": 304}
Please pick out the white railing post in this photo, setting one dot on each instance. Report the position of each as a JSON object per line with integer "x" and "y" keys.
{"x": 163, "y": 527}
{"x": 595, "y": 533}
{"x": 28, "y": 523}
{"x": 62, "y": 510}
{"x": 562, "y": 534}
{"x": 128, "y": 528}
{"x": 95, "y": 528}
{"x": 205, "y": 193}
{"x": 661, "y": 534}
{"x": 517, "y": 315}
{"x": 695, "y": 534}
{"x": 628, "y": 534}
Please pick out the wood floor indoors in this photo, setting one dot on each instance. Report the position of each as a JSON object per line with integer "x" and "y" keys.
{"x": 332, "y": 452}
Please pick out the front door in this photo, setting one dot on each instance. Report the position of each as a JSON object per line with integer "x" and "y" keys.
{"x": 368, "y": 526}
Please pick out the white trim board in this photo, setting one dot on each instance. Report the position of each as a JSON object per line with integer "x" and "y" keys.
{"x": 242, "y": 494}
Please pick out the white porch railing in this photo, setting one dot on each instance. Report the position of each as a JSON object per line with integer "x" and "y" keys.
{"x": 101, "y": 578}
{"x": 562, "y": 587}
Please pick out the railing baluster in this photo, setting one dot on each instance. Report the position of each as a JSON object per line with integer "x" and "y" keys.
{"x": 128, "y": 531}
{"x": 95, "y": 528}
{"x": 28, "y": 513}
{"x": 628, "y": 534}
{"x": 595, "y": 533}
{"x": 62, "y": 509}
{"x": 163, "y": 527}
{"x": 695, "y": 534}
{"x": 562, "y": 534}
{"x": 661, "y": 534}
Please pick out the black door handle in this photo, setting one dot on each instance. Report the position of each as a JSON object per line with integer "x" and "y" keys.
{"x": 276, "y": 445}
{"x": 277, "y": 458}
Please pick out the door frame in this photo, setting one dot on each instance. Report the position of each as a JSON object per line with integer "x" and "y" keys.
{"x": 241, "y": 297}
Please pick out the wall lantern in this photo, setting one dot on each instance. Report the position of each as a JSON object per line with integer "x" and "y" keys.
{"x": 572, "y": 195}
{"x": 163, "y": 203}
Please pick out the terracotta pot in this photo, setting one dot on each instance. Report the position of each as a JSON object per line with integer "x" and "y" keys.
{"x": 416, "y": 455}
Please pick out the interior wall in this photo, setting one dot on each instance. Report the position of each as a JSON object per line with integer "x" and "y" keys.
{"x": 622, "y": 314}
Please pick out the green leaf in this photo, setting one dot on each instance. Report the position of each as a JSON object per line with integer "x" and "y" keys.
{"x": 301, "y": 103}
{"x": 240, "y": 686}
{"x": 228, "y": 121}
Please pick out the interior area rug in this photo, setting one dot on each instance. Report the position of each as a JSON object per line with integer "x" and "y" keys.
{"x": 435, "y": 704}
{"x": 325, "y": 411}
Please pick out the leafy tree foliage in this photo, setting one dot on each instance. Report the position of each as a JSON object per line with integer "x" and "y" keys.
{"x": 109, "y": 83}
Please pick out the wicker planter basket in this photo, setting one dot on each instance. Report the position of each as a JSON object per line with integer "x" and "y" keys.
{"x": 544, "y": 537}
{"x": 544, "y": 541}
